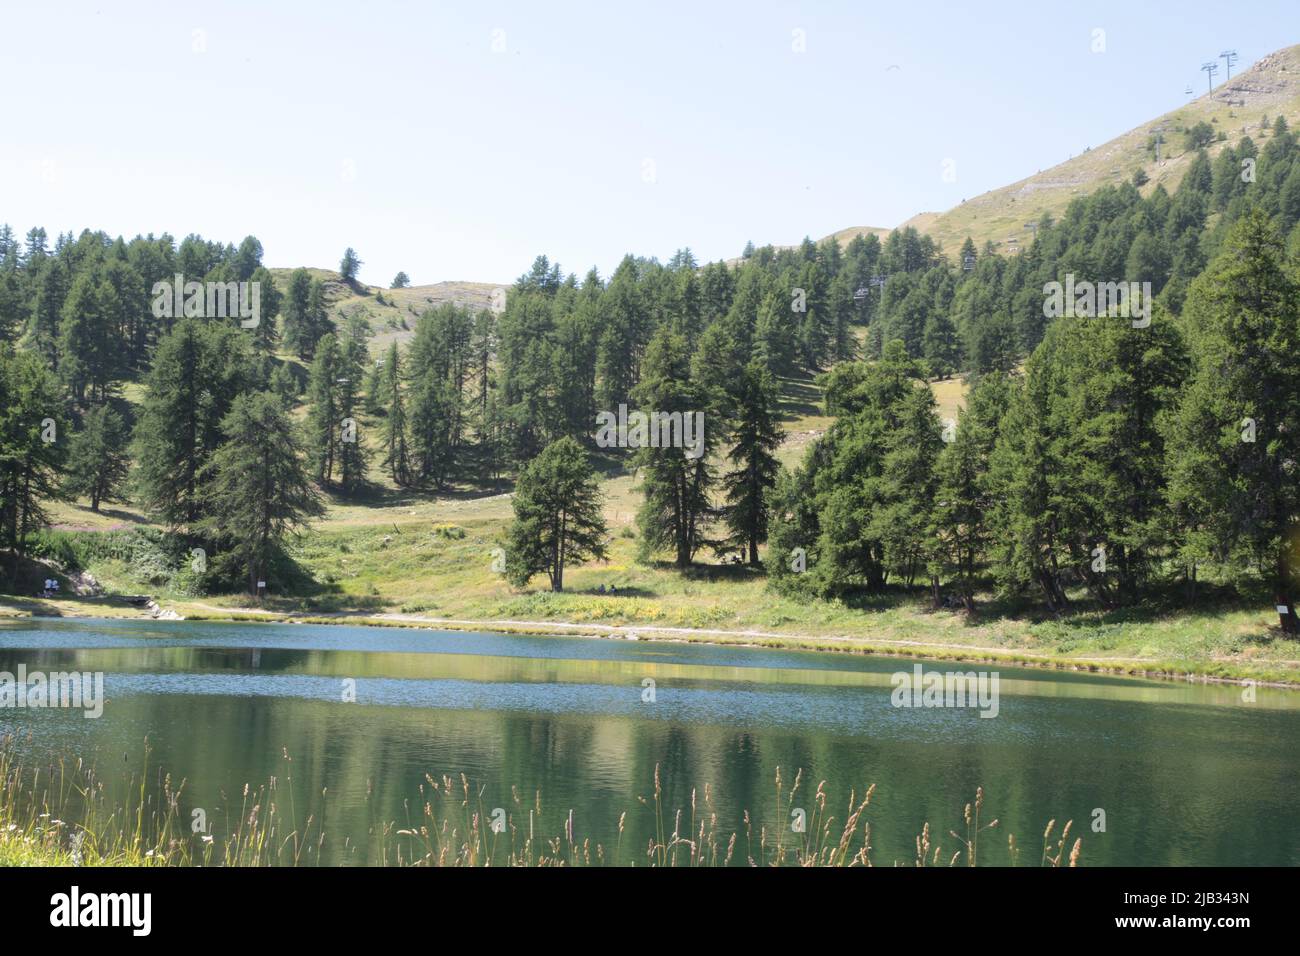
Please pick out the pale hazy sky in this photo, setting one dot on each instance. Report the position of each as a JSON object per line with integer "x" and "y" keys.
{"x": 459, "y": 140}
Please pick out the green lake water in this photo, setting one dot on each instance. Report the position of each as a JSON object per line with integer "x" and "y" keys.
{"x": 1186, "y": 773}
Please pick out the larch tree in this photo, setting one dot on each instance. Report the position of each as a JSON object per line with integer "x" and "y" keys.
{"x": 258, "y": 484}
{"x": 558, "y": 520}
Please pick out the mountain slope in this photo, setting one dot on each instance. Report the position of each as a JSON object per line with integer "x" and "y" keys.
{"x": 394, "y": 317}
{"x": 1269, "y": 88}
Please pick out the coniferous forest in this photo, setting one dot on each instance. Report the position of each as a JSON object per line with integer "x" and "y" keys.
{"x": 1095, "y": 454}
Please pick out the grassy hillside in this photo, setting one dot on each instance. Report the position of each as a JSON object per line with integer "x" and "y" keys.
{"x": 1269, "y": 88}
{"x": 393, "y": 318}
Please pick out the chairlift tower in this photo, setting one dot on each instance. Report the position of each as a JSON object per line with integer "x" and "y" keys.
{"x": 1210, "y": 67}
{"x": 1159, "y": 132}
{"x": 1228, "y": 57}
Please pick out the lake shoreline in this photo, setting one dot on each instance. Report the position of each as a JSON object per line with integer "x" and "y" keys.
{"x": 904, "y": 650}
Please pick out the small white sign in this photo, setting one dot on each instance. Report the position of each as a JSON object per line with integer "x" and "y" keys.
{"x": 1283, "y": 609}
{"x": 261, "y": 584}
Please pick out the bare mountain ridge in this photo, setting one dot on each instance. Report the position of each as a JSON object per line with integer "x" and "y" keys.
{"x": 1237, "y": 107}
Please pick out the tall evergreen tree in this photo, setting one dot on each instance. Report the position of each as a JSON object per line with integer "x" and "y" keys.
{"x": 349, "y": 266}
{"x": 676, "y": 480}
{"x": 558, "y": 520}
{"x": 198, "y": 369}
{"x": 99, "y": 459}
{"x": 32, "y": 450}
{"x": 325, "y": 408}
{"x": 963, "y": 498}
{"x": 1234, "y": 444}
{"x": 258, "y": 483}
{"x": 757, "y": 436}
{"x": 396, "y": 457}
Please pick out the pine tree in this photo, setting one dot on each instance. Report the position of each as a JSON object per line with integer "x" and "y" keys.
{"x": 558, "y": 520}
{"x": 349, "y": 265}
{"x": 198, "y": 369}
{"x": 48, "y": 278}
{"x": 622, "y": 340}
{"x": 325, "y": 414}
{"x": 963, "y": 498}
{"x": 258, "y": 484}
{"x": 1233, "y": 444}
{"x": 284, "y": 383}
{"x": 431, "y": 431}
{"x": 353, "y": 456}
{"x": 32, "y": 450}
{"x": 396, "y": 457}
{"x": 269, "y": 303}
{"x": 306, "y": 317}
{"x": 940, "y": 346}
{"x": 98, "y": 460}
{"x": 905, "y": 489}
{"x": 89, "y": 352}
{"x": 757, "y": 436}
{"x": 676, "y": 480}
{"x": 774, "y": 334}
{"x": 372, "y": 387}
{"x": 298, "y": 331}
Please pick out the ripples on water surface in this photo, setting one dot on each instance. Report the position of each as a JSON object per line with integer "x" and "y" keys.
{"x": 1187, "y": 773}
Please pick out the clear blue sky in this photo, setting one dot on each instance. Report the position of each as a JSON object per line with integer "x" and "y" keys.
{"x": 395, "y": 127}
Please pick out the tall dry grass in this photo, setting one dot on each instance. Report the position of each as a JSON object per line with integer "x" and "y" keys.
{"x": 58, "y": 812}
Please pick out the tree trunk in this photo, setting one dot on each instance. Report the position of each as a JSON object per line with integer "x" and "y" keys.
{"x": 1282, "y": 593}
{"x": 557, "y": 579}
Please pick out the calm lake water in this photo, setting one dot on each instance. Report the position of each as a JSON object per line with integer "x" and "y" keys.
{"x": 1187, "y": 774}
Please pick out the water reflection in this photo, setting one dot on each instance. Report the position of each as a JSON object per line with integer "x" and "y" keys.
{"x": 1187, "y": 773}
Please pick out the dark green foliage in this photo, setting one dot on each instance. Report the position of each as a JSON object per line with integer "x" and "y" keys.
{"x": 198, "y": 370}
{"x": 1199, "y": 136}
{"x": 258, "y": 486}
{"x": 349, "y": 265}
{"x": 558, "y": 519}
{"x": 33, "y": 446}
{"x": 306, "y": 318}
{"x": 99, "y": 458}
{"x": 325, "y": 401}
{"x": 676, "y": 479}
{"x": 756, "y": 437}
{"x": 959, "y": 522}
{"x": 1234, "y": 485}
